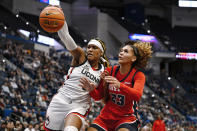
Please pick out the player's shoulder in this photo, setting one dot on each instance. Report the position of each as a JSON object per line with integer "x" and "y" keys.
{"x": 138, "y": 73}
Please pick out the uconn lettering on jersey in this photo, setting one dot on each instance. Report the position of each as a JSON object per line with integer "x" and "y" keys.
{"x": 91, "y": 76}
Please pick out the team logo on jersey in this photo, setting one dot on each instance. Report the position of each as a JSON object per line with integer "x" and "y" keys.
{"x": 127, "y": 83}
{"x": 47, "y": 121}
{"x": 86, "y": 72}
{"x": 86, "y": 67}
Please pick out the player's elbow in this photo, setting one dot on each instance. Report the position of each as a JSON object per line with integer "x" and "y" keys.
{"x": 138, "y": 97}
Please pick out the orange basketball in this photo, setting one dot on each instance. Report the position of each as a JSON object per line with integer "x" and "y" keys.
{"x": 51, "y": 19}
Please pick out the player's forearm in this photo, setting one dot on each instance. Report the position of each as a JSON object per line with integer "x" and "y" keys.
{"x": 135, "y": 92}
{"x": 66, "y": 38}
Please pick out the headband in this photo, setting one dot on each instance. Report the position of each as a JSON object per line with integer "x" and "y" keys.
{"x": 135, "y": 50}
{"x": 96, "y": 43}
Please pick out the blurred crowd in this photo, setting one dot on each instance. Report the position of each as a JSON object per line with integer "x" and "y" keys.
{"x": 151, "y": 105}
{"x": 173, "y": 95}
{"x": 27, "y": 89}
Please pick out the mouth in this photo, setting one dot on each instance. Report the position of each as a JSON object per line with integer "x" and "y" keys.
{"x": 89, "y": 54}
{"x": 120, "y": 58}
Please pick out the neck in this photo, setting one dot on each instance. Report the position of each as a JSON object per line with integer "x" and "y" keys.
{"x": 125, "y": 68}
{"x": 94, "y": 64}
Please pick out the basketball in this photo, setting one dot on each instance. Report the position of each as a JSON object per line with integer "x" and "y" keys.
{"x": 51, "y": 19}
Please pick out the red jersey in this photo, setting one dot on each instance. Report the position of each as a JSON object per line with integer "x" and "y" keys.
{"x": 159, "y": 125}
{"x": 122, "y": 102}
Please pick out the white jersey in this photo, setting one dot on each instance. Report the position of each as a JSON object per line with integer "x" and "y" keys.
{"x": 71, "y": 86}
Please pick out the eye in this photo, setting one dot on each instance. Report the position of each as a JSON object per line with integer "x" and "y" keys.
{"x": 95, "y": 47}
{"x": 121, "y": 50}
{"x": 126, "y": 50}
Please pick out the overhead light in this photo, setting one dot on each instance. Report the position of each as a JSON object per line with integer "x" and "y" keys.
{"x": 187, "y": 3}
{"x": 17, "y": 15}
{"x": 38, "y": 31}
{"x": 5, "y": 27}
{"x": 27, "y": 23}
{"x": 148, "y": 31}
{"x": 85, "y": 40}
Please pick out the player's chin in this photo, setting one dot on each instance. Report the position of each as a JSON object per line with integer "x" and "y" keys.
{"x": 120, "y": 61}
{"x": 90, "y": 58}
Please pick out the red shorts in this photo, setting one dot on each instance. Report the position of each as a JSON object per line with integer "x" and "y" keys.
{"x": 111, "y": 125}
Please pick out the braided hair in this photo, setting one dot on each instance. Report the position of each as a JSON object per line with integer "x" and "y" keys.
{"x": 104, "y": 60}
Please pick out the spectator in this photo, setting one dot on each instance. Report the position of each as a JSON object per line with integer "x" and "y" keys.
{"x": 147, "y": 127}
{"x": 30, "y": 127}
{"x": 159, "y": 124}
{"x": 10, "y": 126}
{"x": 3, "y": 126}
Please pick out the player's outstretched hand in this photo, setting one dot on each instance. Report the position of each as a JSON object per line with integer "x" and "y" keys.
{"x": 86, "y": 84}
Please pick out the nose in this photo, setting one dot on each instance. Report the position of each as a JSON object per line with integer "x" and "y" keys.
{"x": 121, "y": 53}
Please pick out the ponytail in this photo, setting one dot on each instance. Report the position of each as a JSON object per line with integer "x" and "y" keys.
{"x": 104, "y": 60}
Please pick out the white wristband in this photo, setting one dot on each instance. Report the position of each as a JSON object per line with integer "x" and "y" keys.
{"x": 66, "y": 38}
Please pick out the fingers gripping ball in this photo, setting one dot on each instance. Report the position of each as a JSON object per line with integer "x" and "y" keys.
{"x": 51, "y": 19}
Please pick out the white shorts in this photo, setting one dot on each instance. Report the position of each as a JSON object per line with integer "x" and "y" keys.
{"x": 59, "y": 107}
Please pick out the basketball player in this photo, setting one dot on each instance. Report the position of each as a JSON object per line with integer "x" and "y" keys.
{"x": 71, "y": 104}
{"x": 124, "y": 87}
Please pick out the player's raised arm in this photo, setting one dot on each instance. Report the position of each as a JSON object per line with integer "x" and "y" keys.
{"x": 76, "y": 51}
